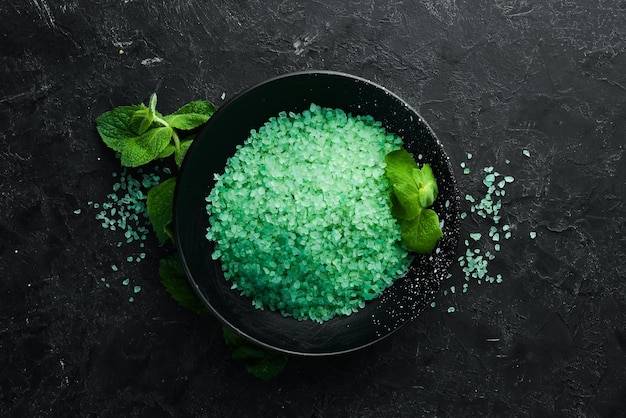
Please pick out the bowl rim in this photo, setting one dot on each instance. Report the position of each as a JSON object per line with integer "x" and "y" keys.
{"x": 223, "y": 108}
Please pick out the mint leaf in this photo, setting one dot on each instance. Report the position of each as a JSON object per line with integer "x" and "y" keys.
{"x": 399, "y": 166}
{"x": 180, "y": 153}
{"x": 167, "y": 151}
{"x": 413, "y": 191}
{"x": 421, "y": 233}
{"x": 159, "y": 204}
{"x": 114, "y": 126}
{"x": 427, "y": 185}
{"x": 141, "y": 120}
{"x": 259, "y": 362}
{"x": 153, "y": 102}
{"x": 169, "y": 230}
{"x": 408, "y": 206}
{"x": 191, "y": 115}
{"x": 139, "y": 150}
{"x": 175, "y": 281}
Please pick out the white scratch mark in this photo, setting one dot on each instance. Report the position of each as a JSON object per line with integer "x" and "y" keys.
{"x": 151, "y": 61}
{"x": 44, "y": 12}
{"x": 122, "y": 44}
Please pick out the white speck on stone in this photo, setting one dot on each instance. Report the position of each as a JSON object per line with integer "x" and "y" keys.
{"x": 122, "y": 44}
{"x": 223, "y": 95}
{"x": 526, "y": 153}
{"x": 151, "y": 61}
{"x": 300, "y": 44}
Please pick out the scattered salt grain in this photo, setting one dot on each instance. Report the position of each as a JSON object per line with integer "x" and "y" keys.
{"x": 475, "y": 262}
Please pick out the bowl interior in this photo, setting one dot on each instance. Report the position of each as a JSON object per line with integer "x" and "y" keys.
{"x": 230, "y": 126}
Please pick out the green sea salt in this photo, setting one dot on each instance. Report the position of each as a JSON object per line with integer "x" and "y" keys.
{"x": 475, "y": 263}
{"x": 301, "y": 215}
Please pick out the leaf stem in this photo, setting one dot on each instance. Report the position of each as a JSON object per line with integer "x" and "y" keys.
{"x": 176, "y": 140}
{"x": 174, "y": 134}
{"x": 161, "y": 121}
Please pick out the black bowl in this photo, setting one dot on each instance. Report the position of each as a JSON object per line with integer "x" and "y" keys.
{"x": 230, "y": 126}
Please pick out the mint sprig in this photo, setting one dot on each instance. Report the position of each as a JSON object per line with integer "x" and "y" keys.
{"x": 414, "y": 190}
{"x": 141, "y": 134}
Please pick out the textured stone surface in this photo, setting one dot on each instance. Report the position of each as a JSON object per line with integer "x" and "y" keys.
{"x": 491, "y": 78}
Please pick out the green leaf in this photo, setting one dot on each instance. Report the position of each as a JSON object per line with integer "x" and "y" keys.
{"x": 421, "y": 233}
{"x": 169, "y": 230}
{"x": 153, "y": 102}
{"x": 167, "y": 151}
{"x": 261, "y": 363}
{"x": 427, "y": 184}
{"x": 180, "y": 153}
{"x": 191, "y": 115}
{"x": 413, "y": 191}
{"x": 407, "y": 199}
{"x": 141, "y": 120}
{"x": 399, "y": 166}
{"x": 143, "y": 149}
{"x": 114, "y": 126}
{"x": 175, "y": 281}
{"x": 230, "y": 337}
{"x": 159, "y": 203}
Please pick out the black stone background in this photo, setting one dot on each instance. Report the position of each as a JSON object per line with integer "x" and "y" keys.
{"x": 491, "y": 78}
